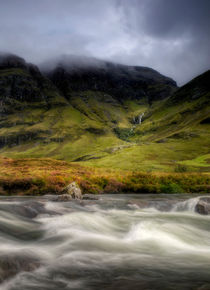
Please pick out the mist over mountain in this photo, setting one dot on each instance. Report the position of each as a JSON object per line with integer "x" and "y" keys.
{"x": 169, "y": 36}
{"x": 73, "y": 73}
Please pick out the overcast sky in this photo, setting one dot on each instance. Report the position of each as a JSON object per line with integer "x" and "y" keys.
{"x": 171, "y": 36}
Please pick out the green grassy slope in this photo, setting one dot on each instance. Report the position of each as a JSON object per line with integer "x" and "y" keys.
{"x": 95, "y": 128}
{"x": 79, "y": 128}
{"x": 174, "y": 136}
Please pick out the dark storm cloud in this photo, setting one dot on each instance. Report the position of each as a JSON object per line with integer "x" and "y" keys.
{"x": 171, "y": 36}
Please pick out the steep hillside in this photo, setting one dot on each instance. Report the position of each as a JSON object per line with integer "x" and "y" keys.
{"x": 174, "y": 134}
{"x": 69, "y": 117}
{"x": 103, "y": 114}
{"x": 187, "y": 108}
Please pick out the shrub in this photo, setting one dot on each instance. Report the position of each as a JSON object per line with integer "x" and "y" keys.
{"x": 123, "y": 133}
{"x": 114, "y": 186}
{"x": 17, "y": 184}
{"x": 171, "y": 188}
{"x": 180, "y": 168}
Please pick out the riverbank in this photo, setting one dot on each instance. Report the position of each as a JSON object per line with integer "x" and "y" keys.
{"x": 49, "y": 176}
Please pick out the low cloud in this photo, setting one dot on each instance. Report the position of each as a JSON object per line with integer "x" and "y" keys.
{"x": 169, "y": 36}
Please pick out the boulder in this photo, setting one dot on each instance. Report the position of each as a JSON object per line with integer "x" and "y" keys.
{"x": 203, "y": 206}
{"x": 73, "y": 191}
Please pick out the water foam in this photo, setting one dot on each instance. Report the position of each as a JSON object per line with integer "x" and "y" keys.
{"x": 90, "y": 246}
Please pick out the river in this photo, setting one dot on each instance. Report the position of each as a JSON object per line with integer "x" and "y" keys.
{"x": 124, "y": 242}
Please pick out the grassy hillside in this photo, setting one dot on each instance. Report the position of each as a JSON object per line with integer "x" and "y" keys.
{"x": 82, "y": 126}
{"x": 42, "y": 117}
{"x": 174, "y": 134}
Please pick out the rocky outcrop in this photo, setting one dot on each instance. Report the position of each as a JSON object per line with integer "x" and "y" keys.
{"x": 23, "y": 81}
{"x": 203, "y": 206}
{"x": 72, "y": 191}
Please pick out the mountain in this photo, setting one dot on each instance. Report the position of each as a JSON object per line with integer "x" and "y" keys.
{"x": 122, "y": 82}
{"x": 103, "y": 114}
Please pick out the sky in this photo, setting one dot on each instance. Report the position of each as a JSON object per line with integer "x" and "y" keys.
{"x": 171, "y": 36}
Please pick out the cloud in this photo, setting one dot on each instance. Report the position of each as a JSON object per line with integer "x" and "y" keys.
{"x": 167, "y": 35}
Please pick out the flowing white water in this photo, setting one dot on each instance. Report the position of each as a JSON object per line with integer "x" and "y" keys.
{"x": 107, "y": 244}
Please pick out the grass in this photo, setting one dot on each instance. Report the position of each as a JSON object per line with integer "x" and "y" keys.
{"x": 48, "y": 176}
{"x": 152, "y": 156}
{"x": 200, "y": 161}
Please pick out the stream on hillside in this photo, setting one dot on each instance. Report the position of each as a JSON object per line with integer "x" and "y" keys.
{"x": 116, "y": 242}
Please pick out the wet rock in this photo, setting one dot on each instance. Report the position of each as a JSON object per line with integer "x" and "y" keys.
{"x": 138, "y": 203}
{"x": 162, "y": 205}
{"x": 203, "y": 206}
{"x": 63, "y": 197}
{"x": 88, "y": 197}
{"x": 200, "y": 208}
{"x": 73, "y": 190}
{"x": 28, "y": 209}
{"x": 11, "y": 265}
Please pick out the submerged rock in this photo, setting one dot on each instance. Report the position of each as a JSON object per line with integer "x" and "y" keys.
{"x": 11, "y": 265}
{"x": 203, "y": 206}
{"x": 89, "y": 197}
{"x": 63, "y": 197}
{"x": 28, "y": 209}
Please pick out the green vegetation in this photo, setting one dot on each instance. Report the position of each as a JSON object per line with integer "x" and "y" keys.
{"x": 124, "y": 133}
{"x": 42, "y": 176}
{"x": 95, "y": 129}
{"x": 171, "y": 188}
{"x": 100, "y": 135}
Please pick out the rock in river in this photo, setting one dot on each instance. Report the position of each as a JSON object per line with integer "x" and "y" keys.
{"x": 10, "y": 265}
{"x": 203, "y": 206}
{"x": 72, "y": 191}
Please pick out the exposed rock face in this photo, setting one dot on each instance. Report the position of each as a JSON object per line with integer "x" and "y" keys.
{"x": 120, "y": 81}
{"x": 73, "y": 191}
{"x": 21, "y": 81}
{"x": 203, "y": 206}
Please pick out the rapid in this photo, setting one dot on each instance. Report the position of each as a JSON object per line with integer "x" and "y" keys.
{"x": 114, "y": 242}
